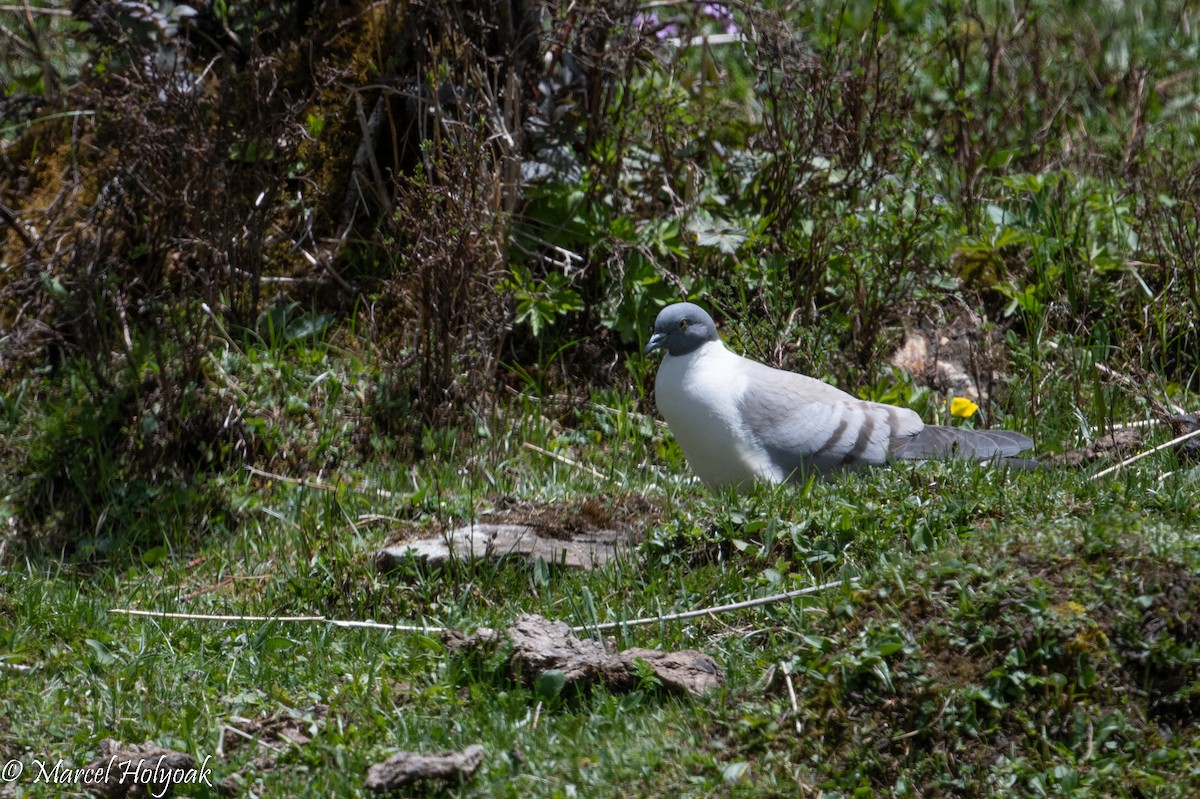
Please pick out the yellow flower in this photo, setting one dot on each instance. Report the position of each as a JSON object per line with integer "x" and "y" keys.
{"x": 962, "y": 408}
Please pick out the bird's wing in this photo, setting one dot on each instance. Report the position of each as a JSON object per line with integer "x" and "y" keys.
{"x": 801, "y": 424}
{"x": 936, "y": 441}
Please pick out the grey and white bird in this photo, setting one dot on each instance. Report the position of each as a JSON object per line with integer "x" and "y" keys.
{"x": 738, "y": 420}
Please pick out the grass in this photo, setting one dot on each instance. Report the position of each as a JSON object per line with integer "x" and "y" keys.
{"x": 849, "y": 170}
{"x": 1010, "y": 634}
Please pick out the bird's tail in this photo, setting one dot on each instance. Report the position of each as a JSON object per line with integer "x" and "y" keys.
{"x": 937, "y": 441}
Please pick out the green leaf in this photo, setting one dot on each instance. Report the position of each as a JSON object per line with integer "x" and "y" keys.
{"x": 101, "y": 653}
{"x": 890, "y": 648}
{"x": 732, "y": 772}
{"x": 154, "y": 556}
{"x": 277, "y": 643}
{"x": 306, "y": 327}
{"x": 549, "y": 684}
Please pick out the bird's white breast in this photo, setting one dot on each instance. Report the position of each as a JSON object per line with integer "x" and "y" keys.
{"x": 698, "y": 395}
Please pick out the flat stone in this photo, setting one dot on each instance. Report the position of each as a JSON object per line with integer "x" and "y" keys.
{"x": 484, "y": 541}
{"x": 405, "y": 768}
{"x": 541, "y": 645}
{"x": 138, "y": 771}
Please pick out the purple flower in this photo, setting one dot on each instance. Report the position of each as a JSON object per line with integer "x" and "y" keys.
{"x": 651, "y": 22}
{"x": 721, "y": 13}
{"x": 641, "y": 20}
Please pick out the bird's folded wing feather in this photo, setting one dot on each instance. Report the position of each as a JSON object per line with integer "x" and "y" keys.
{"x": 936, "y": 441}
{"x": 802, "y": 423}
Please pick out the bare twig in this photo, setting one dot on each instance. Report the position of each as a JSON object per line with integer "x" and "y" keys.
{"x": 1147, "y": 453}
{"x": 565, "y": 460}
{"x": 787, "y": 678}
{"x": 16, "y": 225}
{"x": 365, "y": 161}
{"x": 37, "y": 11}
{"x": 326, "y": 262}
{"x": 1132, "y": 425}
{"x": 370, "y": 625}
{"x": 691, "y": 614}
{"x": 1133, "y": 386}
{"x": 304, "y": 482}
{"x": 242, "y": 734}
{"x": 371, "y": 518}
{"x": 423, "y": 628}
{"x": 221, "y": 329}
{"x": 706, "y": 39}
{"x": 296, "y": 481}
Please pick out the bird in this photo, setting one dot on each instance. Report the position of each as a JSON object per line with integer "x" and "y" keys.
{"x": 739, "y": 421}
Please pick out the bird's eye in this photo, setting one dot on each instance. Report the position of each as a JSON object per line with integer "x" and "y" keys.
{"x": 683, "y": 323}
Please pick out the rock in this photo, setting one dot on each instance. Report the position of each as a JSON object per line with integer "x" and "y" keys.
{"x": 405, "y": 768}
{"x": 685, "y": 671}
{"x": 1187, "y": 423}
{"x": 1116, "y": 445}
{"x": 939, "y": 362}
{"x": 140, "y": 770}
{"x": 482, "y": 638}
{"x": 541, "y": 645}
{"x": 581, "y": 550}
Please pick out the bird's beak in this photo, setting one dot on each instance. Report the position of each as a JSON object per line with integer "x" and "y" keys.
{"x": 656, "y": 341}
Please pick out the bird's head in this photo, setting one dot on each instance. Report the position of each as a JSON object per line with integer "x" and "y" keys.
{"x": 681, "y": 328}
